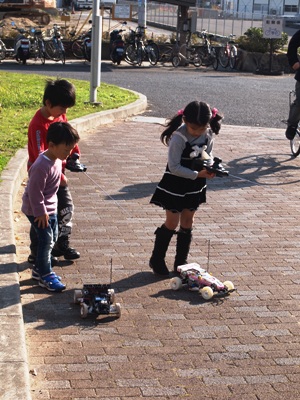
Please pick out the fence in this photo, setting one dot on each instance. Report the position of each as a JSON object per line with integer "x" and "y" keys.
{"x": 214, "y": 21}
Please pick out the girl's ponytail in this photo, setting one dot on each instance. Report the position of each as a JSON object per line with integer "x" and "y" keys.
{"x": 172, "y": 125}
{"x": 215, "y": 121}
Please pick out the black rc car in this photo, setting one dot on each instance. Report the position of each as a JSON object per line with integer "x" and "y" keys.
{"x": 98, "y": 299}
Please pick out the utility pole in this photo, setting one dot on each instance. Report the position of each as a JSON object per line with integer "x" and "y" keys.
{"x": 95, "y": 80}
{"x": 142, "y": 15}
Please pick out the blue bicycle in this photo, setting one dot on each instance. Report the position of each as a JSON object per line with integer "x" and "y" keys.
{"x": 54, "y": 48}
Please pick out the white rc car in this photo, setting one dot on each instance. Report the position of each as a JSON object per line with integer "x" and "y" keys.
{"x": 198, "y": 279}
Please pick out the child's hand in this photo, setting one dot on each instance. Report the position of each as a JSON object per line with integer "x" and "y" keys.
{"x": 296, "y": 66}
{"x": 42, "y": 221}
{"x": 206, "y": 174}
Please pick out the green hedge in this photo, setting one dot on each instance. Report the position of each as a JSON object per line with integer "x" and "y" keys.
{"x": 253, "y": 41}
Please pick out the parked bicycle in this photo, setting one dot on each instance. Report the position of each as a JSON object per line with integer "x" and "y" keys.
{"x": 136, "y": 51}
{"x": 37, "y": 45}
{"x": 207, "y": 52}
{"x": 54, "y": 48}
{"x": 3, "y": 49}
{"x": 167, "y": 54}
{"x": 81, "y": 47}
{"x": 228, "y": 54}
{"x": 186, "y": 54}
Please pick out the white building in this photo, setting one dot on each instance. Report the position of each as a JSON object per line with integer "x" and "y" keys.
{"x": 262, "y": 7}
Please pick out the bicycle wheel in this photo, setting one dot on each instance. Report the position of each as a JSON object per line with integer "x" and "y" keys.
{"x": 204, "y": 57}
{"x": 63, "y": 56}
{"x": 2, "y": 50}
{"x": 215, "y": 59}
{"x": 34, "y": 50}
{"x": 295, "y": 144}
{"x": 153, "y": 53}
{"x": 233, "y": 57}
{"x": 167, "y": 56}
{"x": 76, "y": 48}
{"x": 52, "y": 51}
{"x": 176, "y": 61}
{"x": 62, "y": 52}
{"x": 42, "y": 54}
{"x": 140, "y": 54}
{"x": 196, "y": 60}
{"x": 223, "y": 57}
{"x": 130, "y": 54}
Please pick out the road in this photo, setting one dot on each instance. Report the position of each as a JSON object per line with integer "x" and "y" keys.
{"x": 244, "y": 98}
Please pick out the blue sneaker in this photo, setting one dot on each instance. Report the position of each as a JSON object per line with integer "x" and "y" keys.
{"x": 52, "y": 283}
{"x": 36, "y": 276}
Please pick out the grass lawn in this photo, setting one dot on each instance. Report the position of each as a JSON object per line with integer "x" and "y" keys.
{"x": 21, "y": 96}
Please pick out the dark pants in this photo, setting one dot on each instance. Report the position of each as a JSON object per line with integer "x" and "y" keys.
{"x": 294, "y": 114}
{"x": 65, "y": 209}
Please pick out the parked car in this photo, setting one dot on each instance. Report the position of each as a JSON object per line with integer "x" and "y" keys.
{"x": 88, "y": 4}
{"x": 291, "y": 19}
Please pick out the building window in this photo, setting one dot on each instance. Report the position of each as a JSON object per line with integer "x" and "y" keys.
{"x": 290, "y": 8}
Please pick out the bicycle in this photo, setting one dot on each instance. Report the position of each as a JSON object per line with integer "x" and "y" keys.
{"x": 77, "y": 48}
{"x": 136, "y": 51}
{"x": 228, "y": 54}
{"x": 167, "y": 55}
{"x": 54, "y": 48}
{"x": 2, "y": 48}
{"x": 295, "y": 142}
{"x": 186, "y": 54}
{"x": 37, "y": 48}
{"x": 206, "y": 51}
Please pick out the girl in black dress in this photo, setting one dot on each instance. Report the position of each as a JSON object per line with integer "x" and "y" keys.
{"x": 189, "y": 136}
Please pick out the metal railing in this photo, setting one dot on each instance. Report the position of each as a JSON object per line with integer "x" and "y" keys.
{"x": 214, "y": 21}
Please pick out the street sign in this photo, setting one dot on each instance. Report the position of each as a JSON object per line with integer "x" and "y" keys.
{"x": 122, "y": 12}
{"x": 272, "y": 28}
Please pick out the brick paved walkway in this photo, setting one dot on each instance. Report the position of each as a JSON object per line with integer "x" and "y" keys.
{"x": 170, "y": 344}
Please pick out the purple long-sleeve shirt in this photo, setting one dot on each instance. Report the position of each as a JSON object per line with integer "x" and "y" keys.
{"x": 40, "y": 197}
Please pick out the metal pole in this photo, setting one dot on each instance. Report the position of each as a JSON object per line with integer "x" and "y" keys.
{"x": 96, "y": 51}
{"x": 142, "y": 14}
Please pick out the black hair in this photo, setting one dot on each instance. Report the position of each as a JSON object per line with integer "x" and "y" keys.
{"x": 196, "y": 112}
{"x": 60, "y": 93}
{"x": 62, "y": 132}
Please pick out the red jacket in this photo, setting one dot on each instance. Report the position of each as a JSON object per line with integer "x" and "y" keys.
{"x": 37, "y": 137}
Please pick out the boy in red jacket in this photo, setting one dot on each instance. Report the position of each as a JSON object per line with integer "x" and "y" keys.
{"x": 59, "y": 95}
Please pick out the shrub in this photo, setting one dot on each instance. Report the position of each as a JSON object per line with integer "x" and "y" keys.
{"x": 253, "y": 41}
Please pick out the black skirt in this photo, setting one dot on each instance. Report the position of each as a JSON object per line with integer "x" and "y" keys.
{"x": 174, "y": 193}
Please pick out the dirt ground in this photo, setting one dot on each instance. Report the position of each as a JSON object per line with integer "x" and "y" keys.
{"x": 78, "y": 22}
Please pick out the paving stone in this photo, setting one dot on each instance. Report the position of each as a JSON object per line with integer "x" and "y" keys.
{"x": 171, "y": 344}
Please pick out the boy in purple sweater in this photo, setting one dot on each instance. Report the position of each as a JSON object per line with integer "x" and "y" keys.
{"x": 39, "y": 202}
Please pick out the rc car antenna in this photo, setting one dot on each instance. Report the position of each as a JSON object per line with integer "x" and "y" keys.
{"x": 208, "y": 254}
{"x": 110, "y": 279}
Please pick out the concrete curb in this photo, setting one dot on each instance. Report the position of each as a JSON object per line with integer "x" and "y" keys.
{"x": 14, "y": 368}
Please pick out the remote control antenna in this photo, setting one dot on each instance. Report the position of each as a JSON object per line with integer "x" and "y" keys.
{"x": 208, "y": 254}
{"x": 110, "y": 271}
